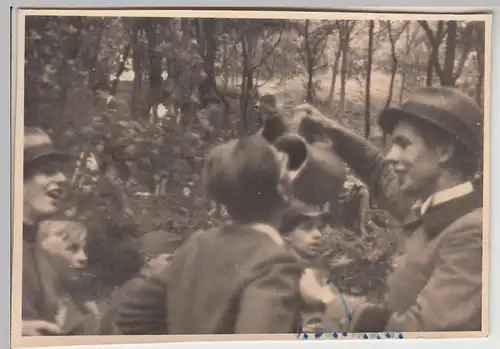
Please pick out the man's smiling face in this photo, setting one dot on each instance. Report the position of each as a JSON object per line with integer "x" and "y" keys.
{"x": 44, "y": 189}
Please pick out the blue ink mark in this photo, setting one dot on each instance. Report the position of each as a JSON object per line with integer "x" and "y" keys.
{"x": 344, "y": 334}
{"x": 388, "y": 335}
{"x": 333, "y": 279}
{"x": 300, "y": 332}
{"x": 335, "y": 335}
{"x": 318, "y": 334}
{"x": 400, "y": 336}
{"x": 365, "y": 336}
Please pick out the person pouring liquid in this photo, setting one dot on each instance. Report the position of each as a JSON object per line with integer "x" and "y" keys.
{"x": 426, "y": 180}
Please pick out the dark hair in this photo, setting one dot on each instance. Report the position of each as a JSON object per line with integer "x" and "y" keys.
{"x": 463, "y": 160}
{"x": 244, "y": 175}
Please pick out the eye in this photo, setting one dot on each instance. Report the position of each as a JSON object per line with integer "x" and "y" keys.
{"x": 401, "y": 142}
{"x": 73, "y": 248}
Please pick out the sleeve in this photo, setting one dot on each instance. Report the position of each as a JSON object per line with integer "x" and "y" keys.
{"x": 271, "y": 302}
{"x": 451, "y": 300}
{"x": 144, "y": 310}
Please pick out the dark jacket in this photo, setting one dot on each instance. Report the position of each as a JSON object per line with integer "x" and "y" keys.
{"x": 39, "y": 297}
{"x": 437, "y": 285}
{"x": 229, "y": 280}
{"x": 43, "y": 292}
{"x": 108, "y": 317}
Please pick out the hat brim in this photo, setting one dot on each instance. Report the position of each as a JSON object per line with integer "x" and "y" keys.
{"x": 297, "y": 207}
{"x": 390, "y": 117}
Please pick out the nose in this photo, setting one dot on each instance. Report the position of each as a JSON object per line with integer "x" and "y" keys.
{"x": 315, "y": 234}
{"x": 393, "y": 155}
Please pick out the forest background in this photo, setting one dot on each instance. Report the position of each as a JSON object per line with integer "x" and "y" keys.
{"x": 140, "y": 100}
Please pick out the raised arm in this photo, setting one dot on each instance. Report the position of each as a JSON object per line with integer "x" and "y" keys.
{"x": 364, "y": 159}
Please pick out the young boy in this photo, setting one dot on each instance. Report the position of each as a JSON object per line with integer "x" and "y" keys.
{"x": 301, "y": 229}
{"x": 62, "y": 241}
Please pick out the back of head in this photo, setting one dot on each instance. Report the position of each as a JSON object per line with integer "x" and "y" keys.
{"x": 244, "y": 175}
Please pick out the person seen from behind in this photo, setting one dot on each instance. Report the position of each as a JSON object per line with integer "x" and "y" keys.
{"x": 237, "y": 278}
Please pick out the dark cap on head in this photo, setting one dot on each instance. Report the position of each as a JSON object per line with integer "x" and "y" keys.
{"x": 445, "y": 107}
{"x": 299, "y": 211}
{"x": 38, "y": 145}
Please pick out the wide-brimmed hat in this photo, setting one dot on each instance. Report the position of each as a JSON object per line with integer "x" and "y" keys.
{"x": 38, "y": 145}
{"x": 445, "y": 107}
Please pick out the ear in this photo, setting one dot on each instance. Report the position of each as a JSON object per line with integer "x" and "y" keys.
{"x": 445, "y": 151}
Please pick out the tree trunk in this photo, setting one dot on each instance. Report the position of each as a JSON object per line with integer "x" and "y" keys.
{"x": 155, "y": 65}
{"x": 309, "y": 64}
{"x": 368, "y": 79}
{"x": 480, "y": 77}
{"x": 246, "y": 83}
{"x": 70, "y": 52}
{"x": 120, "y": 70}
{"x": 344, "y": 42}
{"x": 447, "y": 77}
{"x": 430, "y": 65}
{"x": 95, "y": 57}
{"x": 335, "y": 69}
{"x": 225, "y": 65}
{"x": 394, "y": 65}
{"x": 137, "y": 67}
{"x": 209, "y": 84}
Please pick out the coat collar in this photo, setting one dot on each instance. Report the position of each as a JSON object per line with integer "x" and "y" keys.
{"x": 438, "y": 216}
{"x": 268, "y": 230}
{"x": 443, "y": 196}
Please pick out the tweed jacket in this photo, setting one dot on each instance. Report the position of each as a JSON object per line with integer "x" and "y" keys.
{"x": 437, "y": 283}
{"x": 231, "y": 279}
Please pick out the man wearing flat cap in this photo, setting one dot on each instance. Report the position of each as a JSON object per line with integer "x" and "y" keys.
{"x": 43, "y": 189}
{"x": 427, "y": 181}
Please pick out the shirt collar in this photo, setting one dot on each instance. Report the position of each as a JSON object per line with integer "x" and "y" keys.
{"x": 269, "y": 231}
{"x": 443, "y": 196}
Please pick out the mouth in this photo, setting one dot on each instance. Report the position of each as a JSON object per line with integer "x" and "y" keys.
{"x": 55, "y": 193}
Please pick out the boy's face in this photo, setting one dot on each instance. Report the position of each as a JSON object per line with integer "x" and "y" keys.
{"x": 68, "y": 252}
{"x": 156, "y": 263}
{"x": 307, "y": 235}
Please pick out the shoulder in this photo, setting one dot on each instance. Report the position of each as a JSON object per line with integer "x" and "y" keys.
{"x": 472, "y": 221}
{"x": 464, "y": 237}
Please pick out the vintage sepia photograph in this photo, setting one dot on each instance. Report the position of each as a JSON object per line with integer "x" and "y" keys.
{"x": 223, "y": 175}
